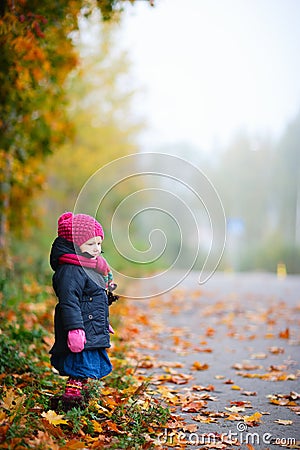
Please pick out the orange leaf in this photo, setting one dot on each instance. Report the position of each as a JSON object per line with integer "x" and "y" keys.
{"x": 285, "y": 334}
{"x": 73, "y": 444}
{"x": 276, "y": 350}
{"x": 112, "y": 426}
{"x": 198, "y": 366}
{"x": 210, "y": 332}
{"x": 208, "y": 388}
{"x": 194, "y": 406}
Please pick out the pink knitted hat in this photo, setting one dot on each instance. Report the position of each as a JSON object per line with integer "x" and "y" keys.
{"x": 78, "y": 228}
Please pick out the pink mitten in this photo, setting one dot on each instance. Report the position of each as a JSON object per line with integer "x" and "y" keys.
{"x": 102, "y": 265}
{"x": 111, "y": 330}
{"x": 76, "y": 340}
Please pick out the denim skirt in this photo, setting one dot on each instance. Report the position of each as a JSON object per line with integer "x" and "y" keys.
{"x": 86, "y": 364}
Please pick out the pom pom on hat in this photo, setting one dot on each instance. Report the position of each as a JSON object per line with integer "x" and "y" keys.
{"x": 78, "y": 228}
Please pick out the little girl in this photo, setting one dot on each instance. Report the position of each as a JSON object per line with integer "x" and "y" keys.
{"x": 81, "y": 316}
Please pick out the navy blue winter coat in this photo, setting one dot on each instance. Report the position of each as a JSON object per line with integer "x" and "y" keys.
{"x": 82, "y": 301}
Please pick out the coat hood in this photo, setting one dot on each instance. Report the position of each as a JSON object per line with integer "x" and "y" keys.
{"x": 60, "y": 247}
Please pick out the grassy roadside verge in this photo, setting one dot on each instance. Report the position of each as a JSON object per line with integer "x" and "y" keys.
{"x": 122, "y": 412}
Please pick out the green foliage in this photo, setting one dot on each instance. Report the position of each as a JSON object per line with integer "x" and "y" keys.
{"x": 15, "y": 349}
{"x": 37, "y": 55}
{"x": 267, "y": 254}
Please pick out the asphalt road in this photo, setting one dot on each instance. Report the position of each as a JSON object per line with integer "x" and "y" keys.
{"x": 238, "y": 334}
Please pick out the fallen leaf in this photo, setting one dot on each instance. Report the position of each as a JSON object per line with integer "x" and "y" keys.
{"x": 11, "y": 401}
{"x": 285, "y": 334}
{"x": 249, "y": 393}
{"x": 43, "y": 440}
{"x": 234, "y": 417}
{"x": 295, "y": 409}
{"x": 73, "y": 444}
{"x": 3, "y": 432}
{"x": 204, "y": 419}
{"x": 96, "y": 426}
{"x": 235, "y": 409}
{"x": 198, "y": 366}
{"x": 52, "y": 429}
{"x": 208, "y": 388}
{"x": 245, "y": 404}
{"x": 210, "y": 332}
{"x": 269, "y": 336}
{"x": 252, "y": 420}
{"x": 283, "y": 422}
{"x": 276, "y": 350}
{"x": 194, "y": 406}
{"x": 246, "y": 366}
{"x": 53, "y": 418}
{"x": 258, "y": 356}
{"x": 191, "y": 428}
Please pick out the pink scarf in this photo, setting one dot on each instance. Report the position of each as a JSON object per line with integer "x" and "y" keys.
{"x": 98, "y": 264}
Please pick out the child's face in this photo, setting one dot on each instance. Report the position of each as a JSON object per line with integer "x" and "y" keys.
{"x": 92, "y": 246}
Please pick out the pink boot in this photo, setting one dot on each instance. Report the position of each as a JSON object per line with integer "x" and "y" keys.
{"x": 72, "y": 397}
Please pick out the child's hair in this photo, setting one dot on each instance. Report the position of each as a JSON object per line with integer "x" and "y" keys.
{"x": 78, "y": 228}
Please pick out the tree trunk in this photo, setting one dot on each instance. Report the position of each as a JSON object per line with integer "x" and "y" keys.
{"x": 5, "y": 189}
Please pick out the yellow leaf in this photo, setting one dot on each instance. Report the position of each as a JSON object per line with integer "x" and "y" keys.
{"x": 198, "y": 366}
{"x": 97, "y": 427}
{"x": 3, "y": 416}
{"x": 235, "y": 388}
{"x": 11, "y": 401}
{"x": 53, "y": 418}
{"x": 253, "y": 418}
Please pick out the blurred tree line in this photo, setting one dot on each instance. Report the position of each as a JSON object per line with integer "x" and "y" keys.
{"x": 61, "y": 110}
{"x": 258, "y": 180}
{"x": 259, "y": 183}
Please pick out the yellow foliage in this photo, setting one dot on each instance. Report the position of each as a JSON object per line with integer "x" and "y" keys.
{"x": 54, "y": 418}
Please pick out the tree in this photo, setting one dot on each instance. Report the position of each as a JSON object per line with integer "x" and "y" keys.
{"x": 287, "y": 183}
{"x": 36, "y": 56}
{"x": 99, "y": 108}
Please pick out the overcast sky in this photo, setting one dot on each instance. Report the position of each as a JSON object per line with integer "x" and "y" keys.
{"x": 209, "y": 68}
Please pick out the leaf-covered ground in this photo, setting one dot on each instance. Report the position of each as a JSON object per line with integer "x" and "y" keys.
{"x": 225, "y": 358}
{"x": 199, "y": 367}
{"x": 122, "y": 411}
